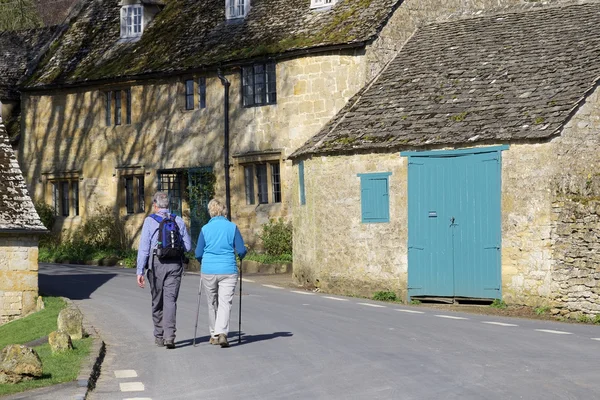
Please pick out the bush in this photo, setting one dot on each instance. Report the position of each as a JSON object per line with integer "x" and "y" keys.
{"x": 385, "y": 296}
{"x": 497, "y": 303}
{"x": 46, "y": 213}
{"x": 277, "y": 238}
{"x": 103, "y": 231}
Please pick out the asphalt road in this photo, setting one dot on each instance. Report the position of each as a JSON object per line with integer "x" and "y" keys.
{"x": 301, "y": 345}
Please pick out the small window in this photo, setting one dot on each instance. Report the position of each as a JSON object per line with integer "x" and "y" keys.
{"x": 374, "y": 197}
{"x": 321, "y": 3}
{"x": 202, "y": 92}
{"x": 132, "y": 23}
{"x": 108, "y": 107}
{"x": 249, "y": 183}
{"x": 259, "y": 84}
{"x": 118, "y": 109}
{"x": 259, "y": 179}
{"x": 171, "y": 182}
{"x": 237, "y": 8}
{"x": 301, "y": 182}
{"x": 128, "y": 107}
{"x": 65, "y": 197}
{"x": 189, "y": 94}
{"x": 134, "y": 194}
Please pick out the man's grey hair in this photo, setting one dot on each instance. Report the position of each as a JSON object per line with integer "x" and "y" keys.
{"x": 161, "y": 199}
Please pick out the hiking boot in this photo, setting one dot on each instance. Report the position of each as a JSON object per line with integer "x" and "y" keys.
{"x": 170, "y": 343}
{"x": 214, "y": 340}
{"x": 159, "y": 342}
{"x": 223, "y": 340}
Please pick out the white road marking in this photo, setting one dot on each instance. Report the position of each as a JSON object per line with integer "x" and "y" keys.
{"x": 556, "y": 332}
{"x": 138, "y": 398}
{"x": 497, "y": 323}
{"x": 450, "y": 317}
{"x": 247, "y": 280}
{"x": 125, "y": 373}
{"x": 596, "y": 338}
{"x": 301, "y": 292}
{"x": 410, "y": 311}
{"x": 371, "y": 305}
{"x": 334, "y": 298}
{"x": 306, "y": 304}
{"x": 131, "y": 386}
{"x": 273, "y": 286}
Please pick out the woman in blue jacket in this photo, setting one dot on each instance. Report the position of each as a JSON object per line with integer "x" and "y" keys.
{"x": 219, "y": 241}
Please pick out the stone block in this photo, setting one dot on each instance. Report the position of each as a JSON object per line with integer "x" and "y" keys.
{"x": 19, "y": 363}
{"x": 70, "y": 320}
{"x": 60, "y": 341}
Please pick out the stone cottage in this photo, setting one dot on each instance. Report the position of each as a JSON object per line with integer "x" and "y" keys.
{"x": 20, "y": 227}
{"x": 467, "y": 169}
{"x": 136, "y": 96}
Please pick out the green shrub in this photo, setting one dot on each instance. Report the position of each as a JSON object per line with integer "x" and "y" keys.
{"x": 597, "y": 319}
{"x": 584, "y": 319}
{"x": 267, "y": 259}
{"x": 497, "y": 303}
{"x": 102, "y": 230}
{"x": 541, "y": 310}
{"x": 47, "y": 214}
{"x": 415, "y": 302}
{"x": 277, "y": 237}
{"x": 385, "y": 296}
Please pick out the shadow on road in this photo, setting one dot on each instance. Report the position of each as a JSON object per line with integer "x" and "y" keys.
{"x": 233, "y": 338}
{"x": 73, "y": 286}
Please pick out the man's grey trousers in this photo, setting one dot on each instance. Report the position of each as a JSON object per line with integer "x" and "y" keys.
{"x": 165, "y": 280}
{"x": 219, "y": 295}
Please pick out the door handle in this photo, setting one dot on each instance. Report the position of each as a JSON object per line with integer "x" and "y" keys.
{"x": 452, "y": 221}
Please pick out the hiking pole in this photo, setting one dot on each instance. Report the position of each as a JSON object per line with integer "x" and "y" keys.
{"x": 198, "y": 309}
{"x": 240, "y": 315}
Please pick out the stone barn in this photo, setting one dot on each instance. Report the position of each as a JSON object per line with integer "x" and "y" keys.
{"x": 467, "y": 169}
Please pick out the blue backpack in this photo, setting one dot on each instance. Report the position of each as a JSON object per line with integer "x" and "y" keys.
{"x": 170, "y": 243}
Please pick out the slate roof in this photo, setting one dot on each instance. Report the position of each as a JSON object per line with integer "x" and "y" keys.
{"x": 192, "y": 34}
{"x": 515, "y": 76}
{"x": 18, "y": 52}
{"x": 17, "y": 212}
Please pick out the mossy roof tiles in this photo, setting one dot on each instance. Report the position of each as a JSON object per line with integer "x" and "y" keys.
{"x": 516, "y": 76}
{"x": 17, "y": 212}
{"x": 18, "y": 51}
{"x": 192, "y": 34}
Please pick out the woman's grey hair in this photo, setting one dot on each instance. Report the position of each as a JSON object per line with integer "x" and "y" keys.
{"x": 216, "y": 208}
{"x": 161, "y": 199}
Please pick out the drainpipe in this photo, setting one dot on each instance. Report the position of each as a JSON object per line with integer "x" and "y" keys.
{"x": 226, "y": 85}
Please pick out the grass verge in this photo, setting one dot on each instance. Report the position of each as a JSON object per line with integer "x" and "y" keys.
{"x": 57, "y": 368}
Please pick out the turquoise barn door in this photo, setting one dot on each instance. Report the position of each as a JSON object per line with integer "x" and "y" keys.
{"x": 454, "y": 230}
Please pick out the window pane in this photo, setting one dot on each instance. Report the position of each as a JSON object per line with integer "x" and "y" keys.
{"x": 140, "y": 192}
{"x": 55, "y": 197}
{"x": 128, "y": 105}
{"x": 249, "y": 184}
{"x": 129, "y": 195}
{"x": 107, "y": 107}
{"x": 64, "y": 198}
{"x": 75, "y": 190}
{"x": 171, "y": 183}
{"x": 271, "y": 84}
{"x": 261, "y": 177}
{"x": 117, "y": 107}
{"x": 276, "y": 182}
{"x": 202, "y": 92}
{"x": 248, "y": 84}
{"x": 189, "y": 94}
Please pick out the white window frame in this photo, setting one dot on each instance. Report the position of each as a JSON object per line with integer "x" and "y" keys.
{"x": 237, "y": 8}
{"x": 322, "y": 3}
{"x": 130, "y": 27}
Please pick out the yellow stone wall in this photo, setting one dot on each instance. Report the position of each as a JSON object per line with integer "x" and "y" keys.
{"x": 65, "y": 131}
{"x": 18, "y": 275}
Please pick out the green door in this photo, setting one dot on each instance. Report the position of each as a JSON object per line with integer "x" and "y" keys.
{"x": 454, "y": 223}
{"x": 201, "y": 183}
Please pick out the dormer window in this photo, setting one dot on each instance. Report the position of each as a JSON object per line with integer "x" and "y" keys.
{"x": 321, "y": 3}
{"x": 237, "y": 8}
{"x": 132, "y": 21}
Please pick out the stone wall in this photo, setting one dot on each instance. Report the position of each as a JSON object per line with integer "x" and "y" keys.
{"x": 576, "y": 276}
{"x": 18, "y": 276}
{"x": 66, "y": 131}
{"x": 333, "y": 249}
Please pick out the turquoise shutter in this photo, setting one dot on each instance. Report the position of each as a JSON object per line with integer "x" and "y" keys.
{"x": 374, "y": 197}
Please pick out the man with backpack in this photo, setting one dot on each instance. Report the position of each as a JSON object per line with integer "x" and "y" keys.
{"x": 161, "y": 252}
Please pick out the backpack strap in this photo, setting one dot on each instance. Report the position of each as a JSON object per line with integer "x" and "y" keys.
{"x": 157, "y": 218}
